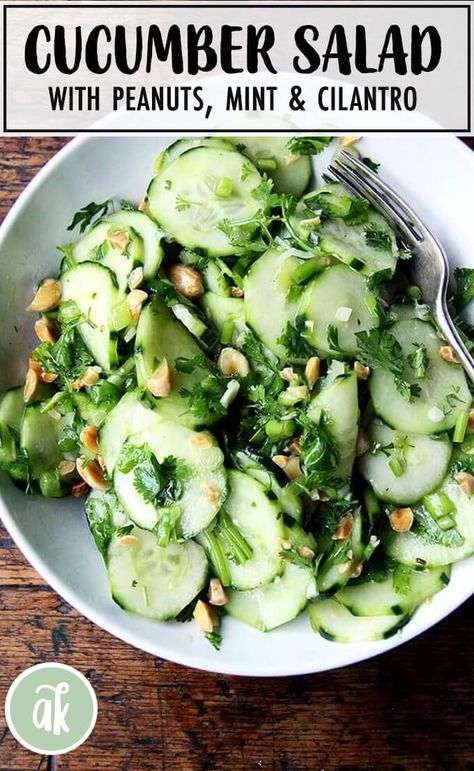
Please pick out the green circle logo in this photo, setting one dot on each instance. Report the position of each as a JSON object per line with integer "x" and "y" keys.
{"x": 51, "y": 709}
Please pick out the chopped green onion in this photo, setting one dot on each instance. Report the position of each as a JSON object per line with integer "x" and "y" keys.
{"x": 120, "y": 316}
{"x": 224, "y": 187}
{"x": 305, "y": 271}
{"x": 274, "y": 429}
{"x": 396, "y": 466}
{"x": 266, "y": 164}
{"x": 240, "y": 551}
{"x": 227, "y": 332}
{"x": 373, "y": 306}
{"x": 440, "y": 506}
{"x": 217, "y": 557}
{"x": 460, "y": 427}
{"x": 413, "y": 292}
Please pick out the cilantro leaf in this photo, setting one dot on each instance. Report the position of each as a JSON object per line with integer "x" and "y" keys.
{"x": 379, "y": 349}
{"x": 87, "y": 214}
{"x": 401, "y": 578}
{"x": 373, "y": 165}
{"x": 294, "y": 341}
{"x": 418, "y": 360}
{"x": 464, "y": 287}
{"x": 214, "y": 638}
{"x": 377, "y": 237}
{"x": 308, "y": 145}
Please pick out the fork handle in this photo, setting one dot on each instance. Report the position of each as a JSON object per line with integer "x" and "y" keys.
{"x": 454, "y": 339}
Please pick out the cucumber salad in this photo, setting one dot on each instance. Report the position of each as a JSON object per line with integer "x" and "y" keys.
{"x": 251, "y": 398}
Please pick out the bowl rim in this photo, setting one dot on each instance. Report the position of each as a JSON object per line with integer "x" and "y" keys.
{"x": 86, "y": 608}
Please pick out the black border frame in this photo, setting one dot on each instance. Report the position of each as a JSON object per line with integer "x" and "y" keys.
{"x": 367, "y": 5}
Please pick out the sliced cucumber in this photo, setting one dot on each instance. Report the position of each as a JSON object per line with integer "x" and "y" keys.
{"x": 95, "y": 246}
{"x": 290, "y": 173}
{"x": 153, "y": 581}
{"x": 287, "y": 497}
{"x": 339, "y": 402}
{"x": 423, "y": 547}
{"x": 183, "y": 200}
{"x": 12, "y": 408}
{"x": 174, "y": 150}
{"x": 215, "y": 280}
{"x": 259, "y": 521}
{"x": 128, "y": 417}
{"x": 94, "y": 290}
{"x": 161, "y": 336}
{"x": 336, "y": 623}
{"x": 423, "y": 466}
{"x": 344, "y": 557}
{"x": 150, "y": 234}
{"x": 275, "y": 603}
{"x": 224, "y": 311}
{"x": 335, "y": 289}
{"x": 204, "y": 487}
{"x": 379, "y": 598}
{"x": 39, "y": 437}
{"x": 444, "y": 390}
{"x": 266, "y": 286}
{"x": 105, "y": 515}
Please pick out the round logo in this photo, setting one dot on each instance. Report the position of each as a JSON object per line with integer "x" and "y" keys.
{"x": 51, "y": 708}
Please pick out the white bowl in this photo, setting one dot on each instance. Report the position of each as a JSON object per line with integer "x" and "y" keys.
{"x": 435, "y": 173}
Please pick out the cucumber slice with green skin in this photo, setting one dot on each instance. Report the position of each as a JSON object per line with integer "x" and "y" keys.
{"x": 290, "y": 173}
{"x": 161, "y": 336}
{"x": 379, "y": 598}
{"x": 336, "y": 623}
{"x": 267, "y": 308}
{"x": 151, "y": 235}
{"x": 420, "y": 548}
{"x": 182, "y": 198}
{"x": 289, "y": 500}
{"x": 166, "y": 157}
{"x": 94, "y": 290}
{"x": 336, "y": 288}
{"x": 105, "y": 515}
{"x": 204, "y": 488}
{"x": 95, "y": 246}
{"x": 153, "y": 581}
{"x": 40, "y": 434}
{"x": 12, "y": 408}
{"x": 423, "y": 469}
{"x": 128, "y": 417}
{"x": 275, "y": 603}
{"x": 192, "y": 319}
{"x": 444, "y": 390}
{"x": 339, "y": 402}
{"x": 222, "y": 310}
{"x": 259, "y": 521}
{"x": 215, "y": 280}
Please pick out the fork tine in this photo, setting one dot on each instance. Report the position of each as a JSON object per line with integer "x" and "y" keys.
{"x": 381, "y": 188}
{"x": 351, "y": 180}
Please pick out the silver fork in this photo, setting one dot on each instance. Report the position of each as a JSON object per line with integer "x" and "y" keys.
{"x": 429, "y": 267}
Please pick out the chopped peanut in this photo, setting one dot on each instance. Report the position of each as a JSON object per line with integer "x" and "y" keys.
{"x": 79, "y": 490}
{"x": 470, "y": 424}
{"x": 295, "y": 447}
{"x": 210, "y": 493}
{"x": 349, "y": 141}
{"x": 357, "y": 571}
{"x": 66, "y": 467}
{"x": 216, "y": 593}
{"x": 344, "y": 528}
{"x": 205, "y": 617}
{"x": 292, "y": 468}
{"x": 47, "y": 297}
{"x": 46, "y": 330}
{"x": 343, "y": 568}
{"x": 187, "y": 280}
{"x": 92, "y": 474}
{"x": 311, "y": 371}
{"x": 201, "y": 440}
{"x": 449, "y": 354}
{"x": 401, "y": 520}
{"x": 161, "y": 381}
{"x": 310, "y": 222}
{"x": 90, "y": 377}
{"x": 465, "y": 482}
{"x": 286, "y": 545}
{"x": 88, "y": 437}
{"x": 288, "y": 374}
{"x": 280, "y": 460}
{"x": 128, "y": 540}
{"x": 143, "y": 206}
{"x": 236, "y": 291}
{"x": 136, "y": 278}
{"x": 361, "y": 370}
{"x": 33, "y": 364}
{"x": 363, "y": 443}
{"x": 31, "y": 385}
{"x": 232, "y": 362}
{"x": 291, "y": 158}
{"x": 118, "y": 239}
{"x": 135, "y": 301}
{"x": 306, "y": 552}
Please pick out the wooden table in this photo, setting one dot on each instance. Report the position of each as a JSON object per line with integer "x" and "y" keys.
{"x": 410, "y": 709}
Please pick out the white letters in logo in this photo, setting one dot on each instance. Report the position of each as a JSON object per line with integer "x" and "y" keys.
{"x": 49, "y": 714}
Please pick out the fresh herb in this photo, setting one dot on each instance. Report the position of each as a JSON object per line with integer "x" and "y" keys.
{"x": 379, "y": 277}
{"x": 182, "y": 204}
{"x": 452, "y": 399}
{"x": 418, "y": 360}
{"x": 214, "y": 638}
{"x": 373, "y": 165}
{"x": 294, "y": 340}
{"x": 429, "y": 531}
{"x": 377, "y": 237}
{"x": 332, "y": 335}
{"x": 157, "y": 483}
{"x": 294, "y": 557}
{"x": 188, "y": 365}
{"x": 320, "y": 454}
{"x": 68, "y": 357}
{"x": 379, "y": 349}
{"x": 105, "y": 513}
{"x": 125, "y": 530}
{"x": 331, "y": 513}
{"x": 401, "y": 579}
{"x": 205, "y": 397}
{"x": 87, "y": 214}
{"x": 308, "y": 145}
{"x": 127, "y": 205}
{"x": 464, "y": 294}
{"x": 237, "y": 548}
{"x": 404, "y": 254}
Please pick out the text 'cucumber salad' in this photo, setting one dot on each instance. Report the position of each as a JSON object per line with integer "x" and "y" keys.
{"x": 254, "y": 402}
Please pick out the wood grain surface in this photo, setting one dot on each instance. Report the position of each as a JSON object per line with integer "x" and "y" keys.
{"x": 411, "y": 709}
